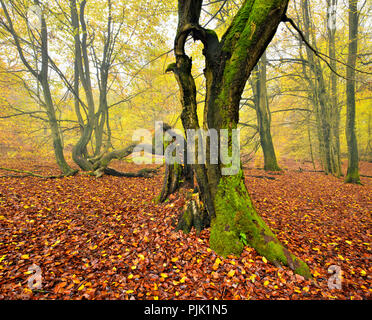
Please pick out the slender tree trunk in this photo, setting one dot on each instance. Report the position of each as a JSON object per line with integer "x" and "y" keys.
{"x": 79, "y": 151}
{"x": 352, "y": 175}
{"x": 264, "y": 116}
{"x": 56, "y": 136}
{"x": 229, "y": 62}
{"x": 324, "y": 100}
{"x": 310, "y": 144}
{"x": 53, "y": 123}
{"x": 368, "y": 150}
{"x": 335, "y": 110}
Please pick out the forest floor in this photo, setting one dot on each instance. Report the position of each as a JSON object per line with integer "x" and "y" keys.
{"x": 105, "y": 238}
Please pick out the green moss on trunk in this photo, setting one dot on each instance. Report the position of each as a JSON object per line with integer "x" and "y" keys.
{"x": 236, "y": 215}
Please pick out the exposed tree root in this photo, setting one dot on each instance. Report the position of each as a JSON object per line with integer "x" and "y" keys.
{"x": 194, "y": 215}
{"x": 143, "y": 173}
{"x": 33, "y": 174}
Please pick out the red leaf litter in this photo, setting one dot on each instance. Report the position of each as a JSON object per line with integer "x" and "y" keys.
{"x": 88, "y": 238}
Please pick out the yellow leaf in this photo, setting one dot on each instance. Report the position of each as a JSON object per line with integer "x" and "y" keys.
{"x": 316, "y": 274}
{"x": 264, "y": 259}
{"x": 252, "y": 277}
{"x": 130, "y": 276}
{"x": 58, "y": 241}
{"x": 164, "y": 275}
{"x": 183, "y": 279}
{"x": 266, "y": 283}
{"x": 74, "y": 279}
{"x": 141, "y": 256}
{"x": 231, "y": 273}
{"x": 25, "y": 256}
{"x": 130, "y": 291}
{"x": 348, "y": 242}
{"x": 363, "y": 273}
{"x": 217, "y": 263}
{"x": 175, "y": 259}
{"x": 81, "y": 287}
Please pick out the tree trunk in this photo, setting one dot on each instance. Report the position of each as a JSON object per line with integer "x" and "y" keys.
{"x": 79, "y": 152}
{"x": 335, "y": 110}
{"x": 352, "y": 175}
{"x": 44, "y": 81}
{"x": 229, "y": 62}
{"x": 263, "y": 116}
{"x": 96, "y": 120}
{"x": 325, "y": 105}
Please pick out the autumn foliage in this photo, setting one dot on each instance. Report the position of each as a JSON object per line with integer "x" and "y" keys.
{"x": 107, "y": 239}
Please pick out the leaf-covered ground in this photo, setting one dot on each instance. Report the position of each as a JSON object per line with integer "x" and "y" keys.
{"x": 106, "y": 239}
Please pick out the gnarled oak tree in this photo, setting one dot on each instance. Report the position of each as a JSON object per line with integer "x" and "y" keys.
{"x": 228, "y": 64}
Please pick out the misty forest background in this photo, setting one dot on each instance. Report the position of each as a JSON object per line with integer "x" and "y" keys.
{"x": 128, "y": 46}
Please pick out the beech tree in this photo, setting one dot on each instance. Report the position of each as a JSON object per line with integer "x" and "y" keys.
{"x": 34, "y": 54}
{"x": 352, "y": 175}
{"x": 229, "y": 62}
{"x": 261, "y": 106}
{"x": 324, "y": 101}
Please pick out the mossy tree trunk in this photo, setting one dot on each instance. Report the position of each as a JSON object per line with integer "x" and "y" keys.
{"x": 352, "y": 175}
{"x": 229, "y": 62}
{"x": 261, "y": 103}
